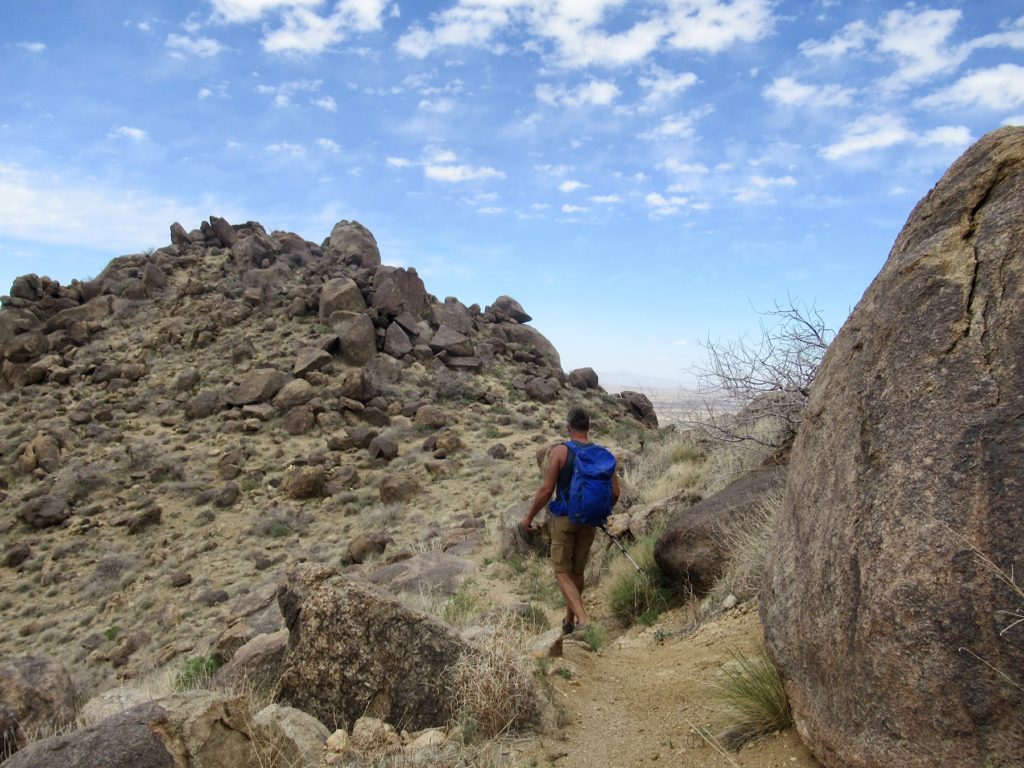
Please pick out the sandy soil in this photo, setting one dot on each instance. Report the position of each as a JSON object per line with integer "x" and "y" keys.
{"x": 641, "y": 700}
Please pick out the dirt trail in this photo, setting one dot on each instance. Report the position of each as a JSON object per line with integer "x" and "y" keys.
{"x": 637, "y": 702}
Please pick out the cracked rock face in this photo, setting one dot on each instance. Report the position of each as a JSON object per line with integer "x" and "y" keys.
{"x": 883, "y": 620}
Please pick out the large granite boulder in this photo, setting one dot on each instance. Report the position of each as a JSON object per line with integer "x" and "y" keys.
{"x": 692, "y": 551}
{"x": 883, "y": 604}
{"x": 640, "y": 407}
{"x": 353, "y": 650}
{"x": 398, "y": 291}
{"x": 353, "y": 244}
{"x": 426, "y": 573}
{"x": 340, "y": 295}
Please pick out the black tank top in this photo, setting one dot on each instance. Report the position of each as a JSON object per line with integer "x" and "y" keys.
{"x": 565, "y": 473}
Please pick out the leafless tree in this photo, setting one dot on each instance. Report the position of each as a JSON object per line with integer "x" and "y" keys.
{"x": 763, "y": 380}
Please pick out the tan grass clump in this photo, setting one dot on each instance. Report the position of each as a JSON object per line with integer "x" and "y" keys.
{"x": 750, "y": 699}
{"x": 748, "y": 542}
{"x": 493, "y": 688}
{"x": 663, "y": 469}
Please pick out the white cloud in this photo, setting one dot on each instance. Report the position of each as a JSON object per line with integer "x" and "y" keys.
{"x": 605, "y": 199}
{"x": 600, "y": 93}
{"x": 304, "y": 32}
{"x": 571, "y": 185}
{"x": 575, "y": 33}
{"x": 46, "y": 207}
{"x": 491, "y": 210}
{"x": 438, "y": 106}
{"x": 664, "y": 206}
{"x": 919, "y": 43}
{"x": 465, "y": 24}
{"x": 458, "y": 173}
{"x": 399, "y": 162}
{"x": 789, "y": 92}
{"x": 287, "y": 148}
{"x": 852, "y": 37}
{"x": 439, "y": 156}
{"x": 662, "y": 84}
{"x": 540, "y": 206}
{"x": 758, "y": 189}
{"x": 714, "y": 25}
{"x": 568, "y": 208}
{"x": 205, "y": 93}
{"x": 329, "y": 145}
{"x": 557, "y": 171}
{"x": 127, "y": 132}
{"x": 947, "y": 135}
{"x": 327, "y": 103}
{"x": 999, "y": 88}
{"x": 33, "y": 47}
{"x": 673, "y": 165}
{"x": 672, "y": 127}
{"x": 283, "y": 93}
{"x": 236, "y": 11}
{"x": 1014, "y": 120}
{"x": 204, "y": 47}
{"x": 867, "y": 133}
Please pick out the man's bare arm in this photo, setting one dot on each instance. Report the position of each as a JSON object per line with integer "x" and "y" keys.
{"x": 556, "y": 460}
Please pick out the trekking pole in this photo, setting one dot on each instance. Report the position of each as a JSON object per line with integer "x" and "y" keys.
{"x": 619, "y": 545}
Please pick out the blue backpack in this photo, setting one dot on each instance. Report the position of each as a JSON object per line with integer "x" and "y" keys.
{"x": 590, "y": 490}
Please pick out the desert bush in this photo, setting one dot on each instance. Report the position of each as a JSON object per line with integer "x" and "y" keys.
{"x": 277, "y": 521}
{"x": 728, "y": 461}
{"x": 750, "y": 699}
{"x": 637, "y": 595}
{"x": 769, "y": 377}
{"x": 537, "y": 582}
{"x": 747, "y": 541}
{"x": 451, "y": 386}
{"x": 493, "y": 689}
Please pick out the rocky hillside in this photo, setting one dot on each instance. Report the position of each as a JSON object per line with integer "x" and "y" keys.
{"x": 178, "y": 430}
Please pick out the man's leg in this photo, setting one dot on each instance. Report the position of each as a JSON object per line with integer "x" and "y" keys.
{"x": 567, "y": 583}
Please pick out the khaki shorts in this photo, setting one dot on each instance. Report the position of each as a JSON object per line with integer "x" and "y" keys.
{"x": 570, "y": 544}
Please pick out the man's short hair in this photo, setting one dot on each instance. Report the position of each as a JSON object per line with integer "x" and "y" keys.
{"x": 579, "y": 419}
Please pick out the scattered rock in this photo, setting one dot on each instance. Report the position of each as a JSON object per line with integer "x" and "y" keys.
{"x": 367, "y": 545}
{"x": 433, "y": 573}
{"x": 39, "y": 691}
{"x": 398, "y": 489}
{"x": 304, "y": 482}
{"x": 45, "y": 512}
{"x": 392, "y": 674}
{"x": 258, "y": 387}
{"x": 17, "y": 554}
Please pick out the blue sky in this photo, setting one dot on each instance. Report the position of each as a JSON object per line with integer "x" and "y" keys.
{"x": 639, "y": 175}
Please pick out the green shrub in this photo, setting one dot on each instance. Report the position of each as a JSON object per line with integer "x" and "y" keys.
{"x": 634, "y": 594}
{"x": 750, "y": 699}
{"x": 595, "y": 636}
{"x": 196, "y": 673}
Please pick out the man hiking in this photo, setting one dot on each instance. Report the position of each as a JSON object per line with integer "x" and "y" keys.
{"x": 589, "y": 500}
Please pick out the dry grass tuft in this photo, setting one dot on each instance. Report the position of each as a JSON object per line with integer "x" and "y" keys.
{"x": 663, "y": 469}
{"x": 750, "y": 699}
{"x": 494, "y": 689}
{"x": 748, "y": 541}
